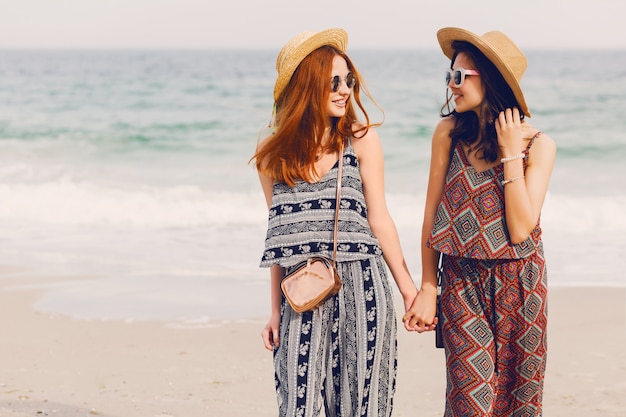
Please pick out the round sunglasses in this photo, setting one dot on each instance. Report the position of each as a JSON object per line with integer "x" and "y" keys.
{"x": 458, "y": 76}
{"x": 335, "y": 82}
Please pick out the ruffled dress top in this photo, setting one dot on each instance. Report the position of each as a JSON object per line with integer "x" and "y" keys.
{"x": 301, "y": 219}
{"x": 470, "y": 220}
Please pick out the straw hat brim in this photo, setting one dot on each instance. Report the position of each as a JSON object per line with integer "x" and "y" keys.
{"x": 299, "y": 48}
{"x": 498, "y": 48}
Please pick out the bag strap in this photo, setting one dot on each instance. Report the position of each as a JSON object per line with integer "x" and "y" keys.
{"x": 337, "y": 203}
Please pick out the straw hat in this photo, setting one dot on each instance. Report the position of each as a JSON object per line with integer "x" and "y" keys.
{"x": 299, "y": 47}
{"x": 499, "y": 49}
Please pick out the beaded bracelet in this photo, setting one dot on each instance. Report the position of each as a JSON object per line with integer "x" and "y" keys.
{"x": 512, "y": 158}
{"x": 505, "y": 182}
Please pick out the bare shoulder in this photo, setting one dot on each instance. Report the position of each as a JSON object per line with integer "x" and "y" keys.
{"x": 543, "y": 142}
{"x": 529, "y": 131}
{"x": 445, "y": 124}
{"x": 363, "y": 144}
{"x": 259, "y": 146}
{"x": 443, "y": 128}
{"x": 262, "y": 142}
{"x": 543, "y": 147}
{"x": 441, "y": 136}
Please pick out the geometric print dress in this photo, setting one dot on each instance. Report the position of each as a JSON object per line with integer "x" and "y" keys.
{"x": 343, "y": 355}
{"x": 493, "y": 300}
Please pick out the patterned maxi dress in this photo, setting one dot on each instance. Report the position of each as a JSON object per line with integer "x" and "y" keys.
{"x": 493, "y": 298}
{"x": 342, "y": 356}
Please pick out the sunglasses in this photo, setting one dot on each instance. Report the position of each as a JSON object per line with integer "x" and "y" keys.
{"x": 458, "y": 76}
{"x": 335, "y": 82}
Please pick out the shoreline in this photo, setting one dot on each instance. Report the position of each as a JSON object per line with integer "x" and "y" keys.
{"x": 70, "y": 367}
{"x": 185, "y": 300}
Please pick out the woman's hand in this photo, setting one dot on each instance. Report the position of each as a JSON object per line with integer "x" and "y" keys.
{"x": 270, "y": 333}
{"x": 509, "y": 131}
{"x": 420, "y": 317}
{"x": 409, "y": 299}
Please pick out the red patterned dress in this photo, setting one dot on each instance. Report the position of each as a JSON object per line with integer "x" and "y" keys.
{"x": 493, "y": 298}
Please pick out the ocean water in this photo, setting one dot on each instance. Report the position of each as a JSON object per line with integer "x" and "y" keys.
{"x": 125, "y": 183}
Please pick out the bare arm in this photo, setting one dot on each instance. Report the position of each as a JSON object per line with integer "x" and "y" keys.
{"x": 270, "y": 333}
{"x": 371, "y": 160}
{"x": 423, "y": 310}
{"x": 523, "y": 197}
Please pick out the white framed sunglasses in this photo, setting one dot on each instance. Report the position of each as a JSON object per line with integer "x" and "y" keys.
{"x": 457, "y": 76}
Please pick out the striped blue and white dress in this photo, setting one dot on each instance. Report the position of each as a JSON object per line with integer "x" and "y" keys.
{"x": 343, "y": 355}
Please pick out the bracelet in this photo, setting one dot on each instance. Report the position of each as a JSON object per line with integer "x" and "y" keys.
{"x": 505, "y": 182}
{"x": 512, "y": 158}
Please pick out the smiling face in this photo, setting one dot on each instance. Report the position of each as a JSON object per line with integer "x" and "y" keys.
{"x": 338, "y": 100}
{"x": 469, "y": 96}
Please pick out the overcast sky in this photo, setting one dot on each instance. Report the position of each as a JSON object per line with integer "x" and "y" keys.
{"x": 269, "y": 24}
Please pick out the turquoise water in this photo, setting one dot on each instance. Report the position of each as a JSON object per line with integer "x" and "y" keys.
{"x": 130, "y": 168}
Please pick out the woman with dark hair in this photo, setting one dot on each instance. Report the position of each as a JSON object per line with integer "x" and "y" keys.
{"x": 489, "y": 175}
{"x": 342, "y": 355}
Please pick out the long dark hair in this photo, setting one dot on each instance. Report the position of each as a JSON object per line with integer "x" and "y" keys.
{"x": 498, "y": 96}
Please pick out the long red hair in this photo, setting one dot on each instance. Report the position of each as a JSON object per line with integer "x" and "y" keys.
{"x": 289, "y": 154}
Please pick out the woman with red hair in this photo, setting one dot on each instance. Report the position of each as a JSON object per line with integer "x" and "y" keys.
{"x": 342, "y": 355}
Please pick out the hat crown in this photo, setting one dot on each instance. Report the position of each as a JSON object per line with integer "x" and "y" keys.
{"x": 508, "y": 52}
{"x": 299, "y": 47}
{"x": 290, "y": 47}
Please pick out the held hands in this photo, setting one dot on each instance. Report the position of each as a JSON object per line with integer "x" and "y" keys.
{"x": 419, "y": 313}
{"x": 509, "y": 130}
{"x": 420, "y": 317}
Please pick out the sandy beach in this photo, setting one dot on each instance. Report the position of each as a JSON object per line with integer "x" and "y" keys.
{"x": 58, "y": 366}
